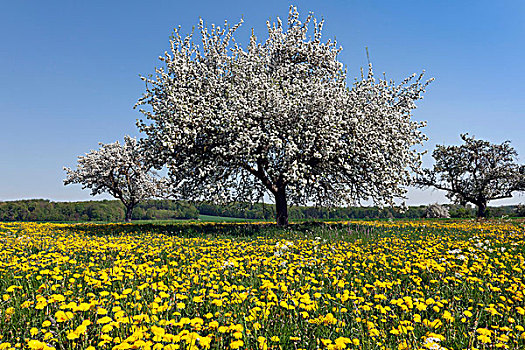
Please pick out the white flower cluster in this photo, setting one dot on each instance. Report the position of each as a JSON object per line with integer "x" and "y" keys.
{"x": 458, "y": 254}
{"x": 278, "y": 117}
{"x": 281, "y": 248}
{"x": 484, "y": 245}
{"x": 436, "y": 211}
{"x": 432, "y": 343}
{"x": 227, "y": 264}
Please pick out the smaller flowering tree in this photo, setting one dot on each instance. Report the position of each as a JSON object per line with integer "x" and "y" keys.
{"x": 475, "y": 172}
{"x": 120, "y": 170}
{"x": 436, "y": 211}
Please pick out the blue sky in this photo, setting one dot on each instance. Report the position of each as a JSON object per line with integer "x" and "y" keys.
{"x": 70, "y": 71}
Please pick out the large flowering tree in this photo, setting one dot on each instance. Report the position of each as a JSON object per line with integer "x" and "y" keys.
{"x": 120, "y": 170}
{"x": 278, "y": 118}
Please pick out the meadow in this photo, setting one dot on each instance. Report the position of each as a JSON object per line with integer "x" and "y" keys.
{"x": 354, "y": 285}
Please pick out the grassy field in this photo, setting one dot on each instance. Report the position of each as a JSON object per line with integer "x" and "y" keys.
{"x": 210, "y": 218}
{"x": 202, "y": 218}
{"x": 362, "y": 285}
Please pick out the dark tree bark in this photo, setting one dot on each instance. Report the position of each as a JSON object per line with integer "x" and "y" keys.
{"x": 482, "y": 209}
{"x": 129, "y": 211}
{"x": 278, "y": 188}
{"x": 281, "y": 207}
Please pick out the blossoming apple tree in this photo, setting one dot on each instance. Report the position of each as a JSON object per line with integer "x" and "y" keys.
{"x": 120, "y": 170}
{"x": 475, "y": 172}
{"x": 278, "y": 118}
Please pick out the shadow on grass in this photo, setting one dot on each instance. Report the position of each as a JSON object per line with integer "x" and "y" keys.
{"x": 210, "y": 229}
{"x": 311, "y": 230}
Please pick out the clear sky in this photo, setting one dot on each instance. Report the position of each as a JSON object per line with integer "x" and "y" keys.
{"x": 70, "y": 71}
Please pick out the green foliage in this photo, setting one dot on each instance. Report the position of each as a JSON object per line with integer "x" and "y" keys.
{"x": 520, "y": 210}
{"x": 267, "y": 212}
{"x": 460, "y": 211}
{"x": 298, "y": 213}
{"x": 497, "y": 212}
{"x": 105, "y": 210}
{"x": 113, "y": 211}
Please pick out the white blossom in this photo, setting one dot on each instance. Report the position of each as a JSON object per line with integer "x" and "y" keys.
{"x": 227, "y": 264}
{"x": 120, "y": 170}
{"x": 432, "y": 343}
{"x": 436, "y": 211}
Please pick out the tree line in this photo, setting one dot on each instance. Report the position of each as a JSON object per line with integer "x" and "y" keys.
{"x": 105, "y": 210}
{"x": 114, "y": 211}
{"x": 267, "y": 211}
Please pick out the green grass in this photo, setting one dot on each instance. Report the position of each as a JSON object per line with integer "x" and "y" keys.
{"x": 202, "y": 218}
{"x": 211, "y": 218}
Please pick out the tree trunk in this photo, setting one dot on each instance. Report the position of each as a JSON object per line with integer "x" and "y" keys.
{"x": 129, "y": 211}
{"x": 482, "y": 210}
{"x": 281, "y": 207}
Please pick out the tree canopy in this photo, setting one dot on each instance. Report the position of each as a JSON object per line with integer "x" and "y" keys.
{"x": 120, "y": 170}
{"x": 277, "y": 118}
{"x": 475, "y": 172}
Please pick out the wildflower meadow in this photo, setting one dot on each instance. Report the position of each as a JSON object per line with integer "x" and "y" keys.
{"x": 354, "y": 285}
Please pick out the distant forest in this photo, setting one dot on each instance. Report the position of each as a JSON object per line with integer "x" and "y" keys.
{"x": 105, "y": 210}
{"x": 113, "y": 211}
{"x": 267, "y": 211}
